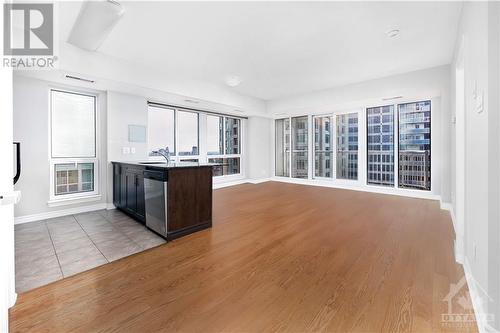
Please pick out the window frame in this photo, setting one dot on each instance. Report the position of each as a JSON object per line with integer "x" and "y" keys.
{"x": 174, "y": 110}
{"x": 358, "y": 117}
{"x": 60, "y": 198}
{"x": 430, "y": 144}
{"x": 176, "y": 135}
{"x": 394, "y": 163}
{"x": 333, "y": 138}
{"x": 225, "y": 155}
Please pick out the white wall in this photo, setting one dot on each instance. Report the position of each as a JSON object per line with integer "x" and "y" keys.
{"x": 479, "y": 30}
{"x": 259, "y": 148}
{"x": 31, "y": 128}
{"x": 433, "y": 83}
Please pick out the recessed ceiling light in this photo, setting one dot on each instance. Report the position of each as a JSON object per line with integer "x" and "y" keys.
{"x": 233, "y": 81}
{"x": 392, "y": 33}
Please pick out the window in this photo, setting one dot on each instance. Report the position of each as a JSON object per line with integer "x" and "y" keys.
{"x": 380, "y": 139}
{"x": 299, "y": 147}
{"x": 347, "y": 146}
{"x": 415, "y": 145}
{"x": 282, "y": 128}
{"x": 215, "y": 135}
{"x": 73, "y": 149}
{"x": 323, "y": 146}
{"x": 187, "y": 133}
{"x": 161, "y": 129}
{"x": 179, "y": 129}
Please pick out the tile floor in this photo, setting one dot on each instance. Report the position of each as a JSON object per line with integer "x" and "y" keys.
{"x": 50, "y": 250}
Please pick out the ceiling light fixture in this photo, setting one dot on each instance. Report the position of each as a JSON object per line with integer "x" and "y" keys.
{"x": 233, "y": 81}
{"x": 392, "y": 33}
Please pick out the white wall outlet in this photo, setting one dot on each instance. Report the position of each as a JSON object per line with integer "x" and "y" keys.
{"x": 132, "y": 150}
{"x": 125, "y": 150}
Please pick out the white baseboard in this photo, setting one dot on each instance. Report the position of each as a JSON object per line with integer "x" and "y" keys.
{"x": 356, "y": 186}
{"x": 231, "y": 183}
{"x": 58, "y": 213}
{"x": 259, "y": 181}
{"x": 477, "y": 300}
{"x": 110, "y": 206}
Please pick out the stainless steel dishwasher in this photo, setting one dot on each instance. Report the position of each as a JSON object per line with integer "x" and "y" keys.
{"x": 155, "y": 193}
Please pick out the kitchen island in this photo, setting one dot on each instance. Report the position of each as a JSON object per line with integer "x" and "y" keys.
{"x": 172, "y": 199}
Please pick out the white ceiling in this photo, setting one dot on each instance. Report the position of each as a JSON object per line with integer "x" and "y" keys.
{"x": 280, "y": 48}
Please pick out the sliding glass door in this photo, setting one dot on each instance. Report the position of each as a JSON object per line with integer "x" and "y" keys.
{"x": 323, "y": 146}
{"x": 300, "y": 147}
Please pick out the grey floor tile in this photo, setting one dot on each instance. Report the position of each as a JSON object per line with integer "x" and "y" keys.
{"x": 150, "y": 243}
{"x": 73, "y": 244}
{"x": 63, "y": 226}
{"x": 107, "y": 236}
{"x": 30, "y": 225}
{"x": 31, "y": 235}
{"x": 83, "y": 265}
{"x": 37, "y": 273}
{"x": 67, "y": 236}
{"x": 91, "y": 229}
{"x": 78, "y": 254}
{"x": 32, "y": 251}
{"x": 114, "y": 250}
{"x": 25, "y": 282}
{"x": 89, "y": 217}
{"x": 62, "y": 219}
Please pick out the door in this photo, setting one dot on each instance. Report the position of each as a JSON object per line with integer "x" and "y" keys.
{"x": 7, "y": 281}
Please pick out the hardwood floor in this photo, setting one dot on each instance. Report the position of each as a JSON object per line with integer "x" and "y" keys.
{"x": 280, "y": 257}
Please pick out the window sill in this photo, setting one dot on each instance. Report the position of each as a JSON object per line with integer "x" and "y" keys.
{"x": 72, "y": 201}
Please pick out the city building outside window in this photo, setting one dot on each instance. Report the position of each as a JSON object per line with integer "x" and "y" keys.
{"x": 323, "y": 146}
{"x": 415, "y": 145}
{"x": 380, "y": 139}
{"x": 347, "y": 146}
{"x": 299, "y": 147}
{"x": 282, "y": 147}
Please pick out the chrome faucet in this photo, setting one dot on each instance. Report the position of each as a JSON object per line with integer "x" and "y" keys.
{"x": 163, "y": 152}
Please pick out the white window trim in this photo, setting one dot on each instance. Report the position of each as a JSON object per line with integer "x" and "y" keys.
{"x": 73, "y": 198}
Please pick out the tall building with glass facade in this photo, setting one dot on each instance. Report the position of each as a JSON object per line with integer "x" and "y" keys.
{"x": 300, "y": 147}
{"x": 347, "y": 146}
{"x": 380, "y": 137}
{"x": 415, "y": 145}
{"x": 323, "y": 146}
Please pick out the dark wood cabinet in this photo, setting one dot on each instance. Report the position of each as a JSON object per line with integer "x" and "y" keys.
{"x": 189, "y": 196}
{"x": 128, "y": 190}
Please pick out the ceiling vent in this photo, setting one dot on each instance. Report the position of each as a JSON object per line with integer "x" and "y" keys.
{"x": 192, "y": 101}
{"x": 74, "y": 77}
{"x": 94, "y": 23}
{"x": 391, "y": 98}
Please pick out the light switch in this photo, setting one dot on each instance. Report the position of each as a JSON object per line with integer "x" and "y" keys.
{"x": 132, "y": 150}
{"x": 125, "y": 150}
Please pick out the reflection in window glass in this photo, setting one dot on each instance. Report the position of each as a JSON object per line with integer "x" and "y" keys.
{"x": 299, "y": 147}
{"x": 161, "y": 129}
{"x": 380, "y": 137}
{"x": 233, "y": 136}
{"x": 282, "y": 147}
{"x": 230, "y": 166}
{"x": 415, "y": 145}
{"x": 347, "y": 146}
{"x": 323, "y": 147}
{"x": 187, "y": 133}
{"x": 214, "y": 135}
